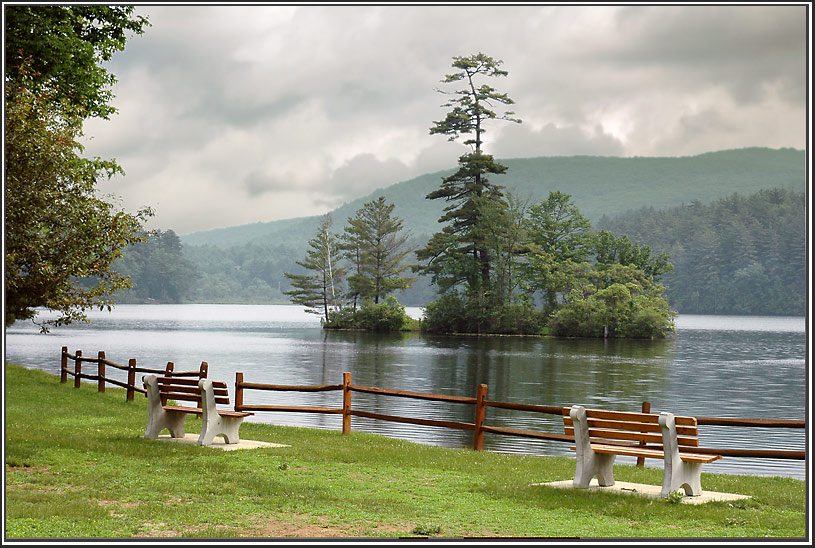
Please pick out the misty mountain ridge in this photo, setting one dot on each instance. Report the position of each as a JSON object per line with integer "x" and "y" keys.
{"x": 599, "y": 186}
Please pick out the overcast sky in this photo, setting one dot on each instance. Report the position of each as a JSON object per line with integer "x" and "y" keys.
{"x": 234, "y": 115}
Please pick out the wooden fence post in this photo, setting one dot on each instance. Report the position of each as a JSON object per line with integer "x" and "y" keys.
{"x": 63, "y": 376}
{"x": 238, "y": 391}
{"x": 101, "y": 370}
{"x": 77, "y": 368}
{"x": 131, "y": 378}
{"x": 480, "y": 411}
{"x": 646, "y": 408}
{"x": 346, "y": 403}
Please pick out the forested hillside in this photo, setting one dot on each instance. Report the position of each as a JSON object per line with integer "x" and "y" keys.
{"x": 737, "y": 255}
{"x": 598, "y": 185}
{"x": 733, "y": 223}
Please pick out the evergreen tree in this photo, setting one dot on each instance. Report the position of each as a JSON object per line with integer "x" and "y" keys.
{"x": 320, "y": 289}
{"x": 158, "y": 270}
{"x": 459, "y": 254}
{"x": 559, "y": 243}
{"x": 376, "y": 246}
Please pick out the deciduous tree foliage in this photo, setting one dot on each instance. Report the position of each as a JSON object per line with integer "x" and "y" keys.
{"x": 735, "y": 255}
{"x": 57, "y": 228}
{"x": 64, "y": 48}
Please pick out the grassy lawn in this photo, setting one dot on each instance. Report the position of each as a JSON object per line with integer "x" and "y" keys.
{"x": 77, "y": 466}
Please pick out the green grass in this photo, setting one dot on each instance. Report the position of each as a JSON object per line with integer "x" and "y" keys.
{"x": 77, "y": 466}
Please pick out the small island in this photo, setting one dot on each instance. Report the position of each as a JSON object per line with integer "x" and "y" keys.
{"x": 500, "y": 264}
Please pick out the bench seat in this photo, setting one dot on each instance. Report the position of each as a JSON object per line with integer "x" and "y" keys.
{"x": 183, "y": 409}
{"x": 651, "y": 453}
{"x": 199, "y": 411}
{"x": 601, "y": 435}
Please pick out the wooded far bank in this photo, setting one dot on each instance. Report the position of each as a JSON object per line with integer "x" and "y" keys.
{"x": 706, "y": 242}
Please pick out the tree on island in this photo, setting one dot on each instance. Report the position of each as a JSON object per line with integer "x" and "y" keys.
{"x": 459, "y": 256}
{"x": 59, "y": 233}
{"x": 320, "y": 289}
{"x": 376, "y": 246}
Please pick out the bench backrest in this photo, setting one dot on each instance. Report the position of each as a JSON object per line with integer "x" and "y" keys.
{"x": 179, "y": 388}
{"x": 617, "y": 427}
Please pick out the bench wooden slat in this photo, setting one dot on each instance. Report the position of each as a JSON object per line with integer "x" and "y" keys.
{"x": 638, "y": 417}
{"x": 234, "y": 413}
{"x": 633, "y": 451}
{"x": 634, "y": 426}
{"x": 183, "y": 396}
{"x": 177, "y": 380}
{"x": 633, "y": 436}
{"x": 188, "y": 382}
{"x": 199, "y": 411}
{"x": 164, "y": 387}
{"x": 187, "y": 390}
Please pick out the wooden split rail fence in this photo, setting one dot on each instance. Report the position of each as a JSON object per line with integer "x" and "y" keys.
{"x": 132, "y": 385}
{"x": 480, "y": 402}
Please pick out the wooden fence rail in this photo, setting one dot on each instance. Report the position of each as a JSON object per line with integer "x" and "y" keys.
{"x": 131, "y": 368}
{"x": 481, "y": 404}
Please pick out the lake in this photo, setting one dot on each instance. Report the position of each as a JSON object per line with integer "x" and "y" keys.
{"x": 715, "y": 366}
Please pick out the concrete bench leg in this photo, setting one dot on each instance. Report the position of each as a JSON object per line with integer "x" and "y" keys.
{"x": 172, "y": 421}
{"x": 686, "y": 477}
{"x": 159, "y": 418}
{"x": 678, "y": 474}
{"x": 220, "y": 426}
{"x": 589, "y": 464}
{"x": 214, "y": 424}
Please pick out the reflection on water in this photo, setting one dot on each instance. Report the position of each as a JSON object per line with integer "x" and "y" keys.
{"x": 716, "y": 366}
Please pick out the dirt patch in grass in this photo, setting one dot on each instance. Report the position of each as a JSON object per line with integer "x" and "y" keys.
{"x": 311, "y": 527}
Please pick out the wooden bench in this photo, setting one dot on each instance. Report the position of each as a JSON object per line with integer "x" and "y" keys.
{"x": 205, "y": 394}
{"x": 601, "y": 435}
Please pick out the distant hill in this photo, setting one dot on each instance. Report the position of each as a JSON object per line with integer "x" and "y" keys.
{"x": 599, "y": 185}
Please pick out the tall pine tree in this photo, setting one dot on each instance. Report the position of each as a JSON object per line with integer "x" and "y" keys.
{"x": 459, "y": 254}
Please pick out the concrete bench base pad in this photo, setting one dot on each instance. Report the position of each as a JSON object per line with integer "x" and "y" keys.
{"x": 220, "y": 443}
{"x": 649, "y": 491}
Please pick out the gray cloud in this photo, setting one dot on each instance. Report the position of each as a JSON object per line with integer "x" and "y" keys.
{"x": 233, "y": 115}
{"x": 522, "y": 141}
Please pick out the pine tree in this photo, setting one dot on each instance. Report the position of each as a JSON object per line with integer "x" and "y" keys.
{"x": 320, "y": 289}
{"x": 376, "y": 246}
{"x": 459, "y": 254}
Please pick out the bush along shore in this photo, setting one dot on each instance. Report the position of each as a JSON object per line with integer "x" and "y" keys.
{"x": 78, "y": 466}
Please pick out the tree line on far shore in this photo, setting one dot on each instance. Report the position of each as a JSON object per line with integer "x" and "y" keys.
{"x": 701, "y": 239}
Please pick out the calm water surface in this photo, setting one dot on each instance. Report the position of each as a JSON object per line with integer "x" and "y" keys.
{"x": 716, "y": 366}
